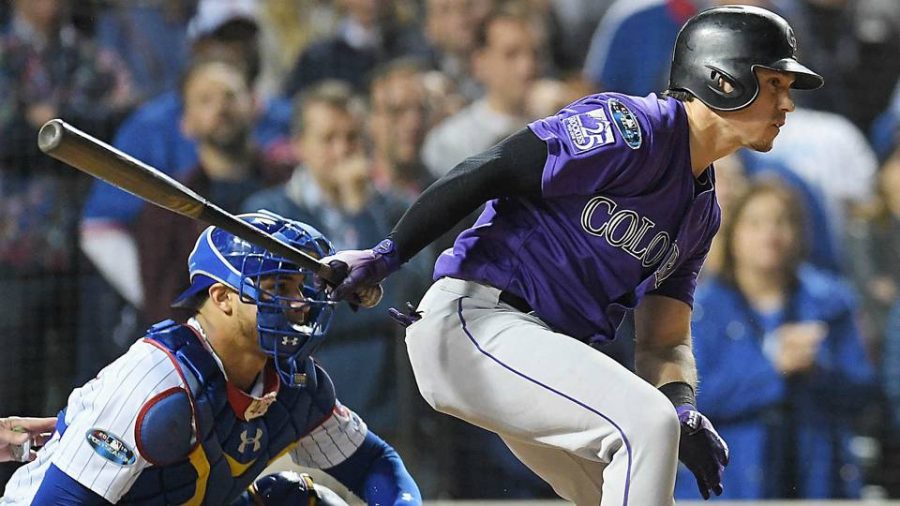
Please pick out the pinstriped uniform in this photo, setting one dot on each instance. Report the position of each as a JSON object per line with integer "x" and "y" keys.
{"x": 332, "y": 442}
{"x": 110, "y": 402}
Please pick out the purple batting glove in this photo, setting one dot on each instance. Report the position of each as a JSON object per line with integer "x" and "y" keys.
{"x": 365, "y": 268}
{"x": 702, "y": 450}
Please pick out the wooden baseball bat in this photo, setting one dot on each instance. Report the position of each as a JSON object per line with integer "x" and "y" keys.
{"x": 88, "y": 154}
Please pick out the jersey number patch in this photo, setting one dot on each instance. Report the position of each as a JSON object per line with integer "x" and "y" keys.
{"x": 589, "y": 130}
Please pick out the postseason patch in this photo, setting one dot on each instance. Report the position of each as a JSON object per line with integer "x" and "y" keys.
{"x": 626, "y": 123}
{"x": 110, "y": 447}
{"x": 589, "y": 130}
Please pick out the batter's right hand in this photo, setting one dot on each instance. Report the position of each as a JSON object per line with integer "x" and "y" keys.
{"x": 702, "y": 450}
{"x": 365, "y": 270}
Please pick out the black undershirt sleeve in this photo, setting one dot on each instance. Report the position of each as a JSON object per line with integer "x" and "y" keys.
{"x": 512, "y": 168}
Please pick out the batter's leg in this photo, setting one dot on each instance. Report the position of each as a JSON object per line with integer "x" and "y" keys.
{"x": 574, "y": 479}
{"x": 484, "y": 362}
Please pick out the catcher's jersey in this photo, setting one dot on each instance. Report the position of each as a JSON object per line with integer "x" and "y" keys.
{"x": 621, "y": 215}
{"x": 105, "y": 445}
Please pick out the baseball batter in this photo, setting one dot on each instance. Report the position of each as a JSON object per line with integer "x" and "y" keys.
{"x": 605, "y": 207}
{"x": 193, "y": 412}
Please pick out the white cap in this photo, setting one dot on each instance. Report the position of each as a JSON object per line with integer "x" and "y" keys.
{"x": 212, "y": 14}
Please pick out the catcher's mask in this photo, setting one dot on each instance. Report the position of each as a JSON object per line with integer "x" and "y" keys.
{"x": 293, "y": 310}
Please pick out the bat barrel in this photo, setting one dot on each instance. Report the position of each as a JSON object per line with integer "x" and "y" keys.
{"x": 97, "y": 158}
{"x": 50, "y": 136}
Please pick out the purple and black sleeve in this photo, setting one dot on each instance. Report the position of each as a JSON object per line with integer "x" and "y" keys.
{"x": 512, "y": 168}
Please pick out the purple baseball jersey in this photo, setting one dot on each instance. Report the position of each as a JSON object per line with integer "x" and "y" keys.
{"x": 621, "y": 216}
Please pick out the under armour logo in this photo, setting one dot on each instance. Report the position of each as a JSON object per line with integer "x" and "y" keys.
{"x": 255, "y": 440}
{"x": 290, "y": 341}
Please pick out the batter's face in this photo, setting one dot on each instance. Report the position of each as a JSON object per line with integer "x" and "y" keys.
{"x": 758, "y": 124}
{"x": 764, "y": 235}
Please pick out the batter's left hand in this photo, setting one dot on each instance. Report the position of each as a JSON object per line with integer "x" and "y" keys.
{"x": 702, "y": 450}
{"x": 365, "y": 271}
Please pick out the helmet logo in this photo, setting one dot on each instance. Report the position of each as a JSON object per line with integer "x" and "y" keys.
{"x": 290, "y": 341}
{"x": 792, "y": 40}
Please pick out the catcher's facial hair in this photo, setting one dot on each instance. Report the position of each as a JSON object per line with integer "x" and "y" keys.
{"x": 93, "y": 156}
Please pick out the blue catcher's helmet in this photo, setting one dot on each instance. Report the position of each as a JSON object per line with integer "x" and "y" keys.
{"x": 290, "y": 327}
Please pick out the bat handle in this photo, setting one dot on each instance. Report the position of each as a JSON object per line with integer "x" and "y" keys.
{"x": 334, "y": 272}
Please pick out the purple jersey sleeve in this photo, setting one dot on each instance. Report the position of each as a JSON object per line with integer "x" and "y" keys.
{"x": 598, "y": 143}
{"x": 682, "y": 282}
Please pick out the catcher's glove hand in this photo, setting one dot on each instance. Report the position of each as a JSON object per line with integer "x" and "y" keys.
{"x": 288, "y": 488}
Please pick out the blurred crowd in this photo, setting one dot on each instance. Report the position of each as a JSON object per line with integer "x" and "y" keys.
{"x": 339, "y": 113}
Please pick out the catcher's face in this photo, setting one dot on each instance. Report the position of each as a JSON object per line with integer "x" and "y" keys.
{"x": 287, "y": 291}
{"x": 758, "y": 124}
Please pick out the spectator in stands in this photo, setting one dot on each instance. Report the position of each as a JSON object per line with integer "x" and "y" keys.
{"x": 875, "y": 237}
{"x": 221, "y": 29}
{"x": 290, "y": 26}
{"x": 370, "y": 33}
{"x": 856, "y": 44}
{"x": 505, "y": 61}
{"x": 151, "y": 39}
{"x": 780, "y": 357}
{"x": 218, "y": 116}
{"x": 398, "y": 120}
{"x": 890, "y": 373}
{"x": 834, "y": 168}
{"x": 548, "y": 96}
{"x": 47, "y": 70}
{"x": 731, "y": 182}
{"x": 874, "y": 240}
{"x": 632, "y": 46}
{"x": 448, "y": 30}
{"x": 331, "y": 190}
{"x": 885, "y": 132}
{"x": 579, "y": 19}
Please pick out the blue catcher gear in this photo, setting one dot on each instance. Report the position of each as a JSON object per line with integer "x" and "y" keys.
{"x": 293, "y": 309}
{"x": 288, "y": 487}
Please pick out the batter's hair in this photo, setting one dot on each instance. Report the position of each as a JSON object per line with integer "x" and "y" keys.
{"x": 679, "y": 95}
{"x": 796, "y": 215}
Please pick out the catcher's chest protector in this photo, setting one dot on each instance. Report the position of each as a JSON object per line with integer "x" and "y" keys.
{"x": 203, "y": 449}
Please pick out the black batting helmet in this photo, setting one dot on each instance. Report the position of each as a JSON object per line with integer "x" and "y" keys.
{"x": 725, "y": 45}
